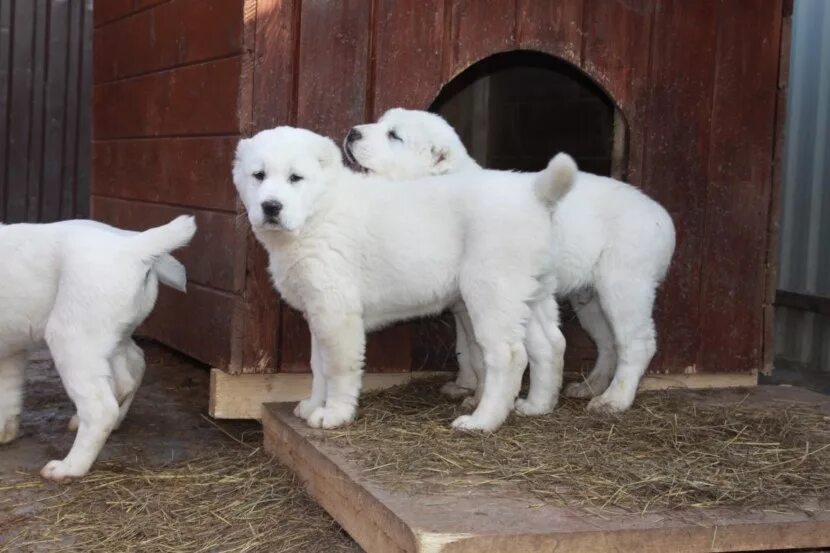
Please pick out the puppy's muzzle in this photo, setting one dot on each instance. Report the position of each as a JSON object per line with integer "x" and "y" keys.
{"x": 271, "y": 210}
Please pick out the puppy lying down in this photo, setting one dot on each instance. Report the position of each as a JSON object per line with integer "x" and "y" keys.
{"x": 355, "y": 253}
{"x": 81, "y": 287}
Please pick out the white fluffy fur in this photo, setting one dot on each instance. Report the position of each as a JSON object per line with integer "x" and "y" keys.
{"x": 612, "y": 247}
{"x": 81, "y": 287}
{"x": 355, "y": 253}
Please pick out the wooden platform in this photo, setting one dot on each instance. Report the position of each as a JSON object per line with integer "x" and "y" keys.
{"x": 384, "y": 521}
{"x": 240, "y": 396}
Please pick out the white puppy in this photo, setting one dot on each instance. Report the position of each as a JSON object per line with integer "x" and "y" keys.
{"x": 612, "y": 245}
{"x": 81, "y": 287}
{"x": 355, "y": 253}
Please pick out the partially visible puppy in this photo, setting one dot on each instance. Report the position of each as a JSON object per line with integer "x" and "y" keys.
{"x": 612, "y": 247}
{"x": 356, "y": 253}
{"x": 82, "y": 288}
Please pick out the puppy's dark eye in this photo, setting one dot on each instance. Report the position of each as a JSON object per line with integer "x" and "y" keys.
{"x": 259, "y": 175}
{"x": 394, "y": 136}
{"x": 294, "y": 178}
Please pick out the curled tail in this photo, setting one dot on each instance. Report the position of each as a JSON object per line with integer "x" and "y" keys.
{"x": 152, "y": 244}
{"x": 556, "y": 179}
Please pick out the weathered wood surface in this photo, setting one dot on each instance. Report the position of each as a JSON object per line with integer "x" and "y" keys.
{"x": 506, "y": 520}
{"x": 696, "y": 83}
{"x": 240, "y": 396}
{"x": 169, "y": 105}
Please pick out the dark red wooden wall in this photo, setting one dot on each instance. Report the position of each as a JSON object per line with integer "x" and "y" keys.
{"x": 167, "y": 100}
{"x": 698, "y": 84}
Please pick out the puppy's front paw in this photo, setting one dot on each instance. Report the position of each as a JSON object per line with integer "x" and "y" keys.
{"x": 9, "y": 428}
{"x": 331, "y": 417}
{"x": 455, "y": 391}
{"x": 608, "y": 404}
{"x": 529, "y": 409}
{"x": 470, "y": 423}
{"x": 58, "y": 471}
{"x": 305, "y": 408}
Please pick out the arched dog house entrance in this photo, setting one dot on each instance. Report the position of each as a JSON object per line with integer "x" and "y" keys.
{"x": 514, "y": 111}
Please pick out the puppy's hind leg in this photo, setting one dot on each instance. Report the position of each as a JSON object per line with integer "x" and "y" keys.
{"x": 546, "y": 352}
{"x": 11, "y": 396}
{"x": 628, "y": 304}
{"x": 128, "y": 367}
{"x": 467, "y": 378}
{"x": 590, "y": 315}
{"x": 128, "y": 370}
{"x": 86, "y": 374}
{"x": 475, "y": 358}
{"x": 499, "y": 315}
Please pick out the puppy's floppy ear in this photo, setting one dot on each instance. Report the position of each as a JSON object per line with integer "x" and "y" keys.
{"x": 329, "y": 154}
{"x": 441, "y": 160}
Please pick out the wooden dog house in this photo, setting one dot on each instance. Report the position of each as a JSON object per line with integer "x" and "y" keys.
{"x": 691, "y": 95}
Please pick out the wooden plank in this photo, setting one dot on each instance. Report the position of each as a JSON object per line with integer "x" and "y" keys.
{"x": 20, "y": 111}
{"x": 197, "y": 323}
{"x": 107, "y": 11}
{"x": 5, "y": 79}
{"x": 276, "y": 63}
{"x": 552, "y": 27}
{"x": 408, "y": 44}
{"x": 193, "y": 100}
{"x": 676, "y": 166}
{"x": 616, "y": 56}
{"x": 70, "y": 129}
{"x": 176, "y": 33}
{"x": 474, "y": 33}
{"x": 83, "y": 167}
{"x": 382, "y": 519}
{"x": 186, "y": 171}
{"x": 35, "y": 157}
{"x": 56, "y": 106}
{"x": 240, "y": 396}
{"x": 333, "y": 56}
{"x": 734, "y": 250}
{"x": 803, "y": 302}
{"x": 209, "y": 256}
{"x": 773, "y": 224}
{"x": 257, "y": 327}
{"x": 409, "y": 50}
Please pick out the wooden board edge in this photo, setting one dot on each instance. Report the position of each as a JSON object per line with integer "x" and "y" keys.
{"x": 368, "y": 521}
{"x": 378, "y": 527}
{"x": 240, "y": 396}
{"x": 698, "y": 381}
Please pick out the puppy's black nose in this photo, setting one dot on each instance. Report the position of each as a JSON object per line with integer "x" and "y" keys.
{"x": 353, "y": 135}
{"x": 271, "y": 209}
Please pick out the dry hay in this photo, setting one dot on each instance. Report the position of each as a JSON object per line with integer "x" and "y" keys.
{"x": 235, "y": 500}
{"x": 669, "y": 451}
